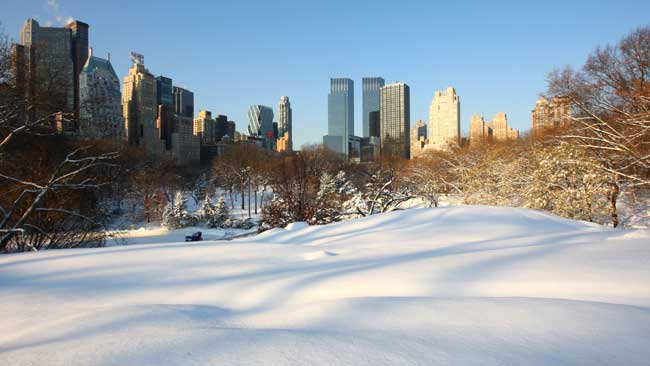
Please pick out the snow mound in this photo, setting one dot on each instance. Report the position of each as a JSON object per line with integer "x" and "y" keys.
{"x": 317, "y": 255}
{"x": 296, "y": 226}
{"x": 469, "y": 285}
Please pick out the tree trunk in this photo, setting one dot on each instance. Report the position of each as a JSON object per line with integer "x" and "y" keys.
{"x": 243, "y": 188}
{"x": 249, "y": 199}
{"x": 613, "y": 200}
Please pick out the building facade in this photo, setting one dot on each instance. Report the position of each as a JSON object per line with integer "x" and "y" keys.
{"x": 495, "y": 130}
{"x": 444, "y": 119}
{"x": 205, "y": 127}
{"x": 100, "y": 101}
{"x": 185, "y": 146}
{"x": 478, "y": 131}
{"x": 79, "y": 32}
{"x": 140, "y": 109}
{"x": 395, "y": 119}
{"x": 340, "y": 115}
{"x": 375, "y": 124}
{"x": 552, "y": 114}
{"x": 285, "y": 124}
{"x": 47, "y": 68}
{"x": 183, "y": 100}
{"x": 418, "y": 139}
{"x": 260, "y": 125}
{"x": 371, "y": 87}
{"x": 164, "y": 94}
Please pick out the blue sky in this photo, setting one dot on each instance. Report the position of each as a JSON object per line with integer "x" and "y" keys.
{"x": 236, "y": 53}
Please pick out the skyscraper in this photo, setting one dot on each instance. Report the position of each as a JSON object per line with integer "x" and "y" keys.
{"x": 79, "y": 48}
{"x": 371, "y": 87}
{"x": 220, "y": 127}
{"x": 444, "y": 119}
{"x": 48, "y": 69}
{"x": 205, "y": 127}
{"x": 478, "y": 130}
{"x": 340, "y": 115}
{"x": 395, "y": 115}
{"x": 495, "y": 130}
{"x": 375, "y": 124}
{"x": 260, "y": 125}
{"x": 418, "y": 139}
{"x": 551, "y": 114}
{"x": 140, "y": 109}
{"x": 100, "y": 100}
{"x": 285, "y": 123}
{"x": 183, "y": 102}
{"x": 164, "y": 91}
{"x": 260, "y": 121}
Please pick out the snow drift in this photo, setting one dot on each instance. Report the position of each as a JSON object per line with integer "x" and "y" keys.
{"x": 458, "y": 285}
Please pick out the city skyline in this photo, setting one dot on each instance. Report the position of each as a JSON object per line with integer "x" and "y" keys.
{"x": 462, "y": 57}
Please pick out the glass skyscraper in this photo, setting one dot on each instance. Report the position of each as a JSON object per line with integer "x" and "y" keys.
{"x": 183, "y": 102}
{"x": 371, "y": 87}
{"x": 260, "y": 120}
{"x": 164, "y": 91}
{"x": 340, "y": 115}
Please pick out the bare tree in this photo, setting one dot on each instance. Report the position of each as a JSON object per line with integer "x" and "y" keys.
{"x": 611, "y": 98}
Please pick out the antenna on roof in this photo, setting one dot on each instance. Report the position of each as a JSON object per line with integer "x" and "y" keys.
{"x": 137, "y": 58}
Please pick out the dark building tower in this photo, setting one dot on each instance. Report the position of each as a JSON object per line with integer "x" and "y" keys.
{"x": 183, "y": 102}
{"x": 221, "y": 127}
{"x": 79, "y": 50}
{"x": 165, "y": 124}
{"x": 164, "y": 91}
{"x": 45, "y": 57}
{"x": 395, "y": 115}
{"x": 375, "y": 124}
{"x": 232, "y": 128}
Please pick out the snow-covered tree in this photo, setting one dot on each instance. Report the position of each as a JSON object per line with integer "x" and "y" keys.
{"x": 333, "y": 191}
{"x": 176, "y": 215}
{"x": 211, "y": 214}
{"x": 381, "y": 193}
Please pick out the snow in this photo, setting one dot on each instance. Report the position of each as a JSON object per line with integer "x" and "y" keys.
{"x": 460, "y": 285}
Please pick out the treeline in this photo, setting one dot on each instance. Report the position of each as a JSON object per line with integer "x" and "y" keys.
{"x": 59, "y": 192}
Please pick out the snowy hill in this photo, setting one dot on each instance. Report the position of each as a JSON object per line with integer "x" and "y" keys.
{"x": 465, "y": 285}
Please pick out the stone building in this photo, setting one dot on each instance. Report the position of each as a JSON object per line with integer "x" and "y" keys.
{"x": 495, "y": 130}
{"x": 205, "y": 127}
{"x": 285, "y": 124}
{"x": 551, "y": 114}
{"x": 140, "y": 110}
{"x": 100, "y": 101}
{"x": 478, "y": 131}
{"x": 185, "y": 146}
{"x": 444, "y": 119}
{"x": 419, "y": 139}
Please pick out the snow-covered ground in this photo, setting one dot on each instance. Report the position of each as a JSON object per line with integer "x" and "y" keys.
{"x": 460, "y": 285}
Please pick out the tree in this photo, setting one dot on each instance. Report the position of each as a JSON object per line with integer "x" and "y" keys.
{"x": 611, "y": 121}
{"x": 384, "y": 190}
{"x": 175, "y": 215}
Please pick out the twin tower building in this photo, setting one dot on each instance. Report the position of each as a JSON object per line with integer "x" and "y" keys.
{"x": 387, "y": 120}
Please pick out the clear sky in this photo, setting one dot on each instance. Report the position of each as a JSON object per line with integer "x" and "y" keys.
{"x": 236, "y": 53}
